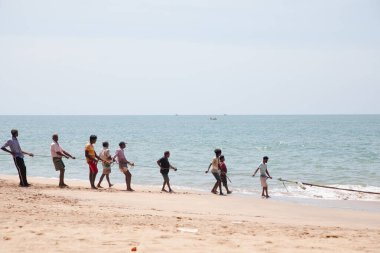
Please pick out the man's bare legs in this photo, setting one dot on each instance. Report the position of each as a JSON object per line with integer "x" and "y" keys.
{"x": 166, "y": 182}
{"x": 62, "y": 178}
{"x": 92, "y": 177}
{"x": 217, "y": 184}
{"x": 128, "y": 179}
{"x": 108, "y": 180}
{"x": 100, "y": 181}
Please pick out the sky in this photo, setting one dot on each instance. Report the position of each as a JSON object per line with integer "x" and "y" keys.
{"x": 161, "y": 57}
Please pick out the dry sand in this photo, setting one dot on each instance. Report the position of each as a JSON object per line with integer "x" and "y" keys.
{"x": 44, "y": 218}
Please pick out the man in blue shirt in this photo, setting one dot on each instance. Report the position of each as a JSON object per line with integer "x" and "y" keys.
{"x": 18, "y": 157}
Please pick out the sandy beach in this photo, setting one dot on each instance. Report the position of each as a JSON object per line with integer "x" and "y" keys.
{"x": 46, "y": 218}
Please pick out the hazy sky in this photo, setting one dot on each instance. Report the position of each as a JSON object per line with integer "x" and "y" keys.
{"x": 189, "y": 57}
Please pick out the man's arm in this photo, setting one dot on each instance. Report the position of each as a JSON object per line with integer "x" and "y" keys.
{"x": 89, "y": 157}
{"x": 97, "y": 157}
{"x": 172, "y": 167}
{"x": 128, "y": 162}
{"x": 268, "y": 174}
{"x": 254, "y": 174}
{"x": 67, "y": 154}
{"x": 62, "y": 154}
{"x": 27, "y": 153}
{"x": 159, "y": 163}
{"x": 208, "y": 168}
{"x": 5, "y": 149}
{"x": 109, "y": 159}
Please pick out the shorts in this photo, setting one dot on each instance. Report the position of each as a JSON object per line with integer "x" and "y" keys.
{"x": 106, "y": 168}
{"x": 165, "y": 176}
{"x": 123, "y": 169}
{"x": 93, "y": 167}
{"x": 58, "y": 163}
{"x": 224, "y": 179}
{"x": 217, "y": 176}
{"x": 263, "y": 180}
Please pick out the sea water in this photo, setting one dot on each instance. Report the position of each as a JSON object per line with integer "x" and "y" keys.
{"x": 342, "y": 151}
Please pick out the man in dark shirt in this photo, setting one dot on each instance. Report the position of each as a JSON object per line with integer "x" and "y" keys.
{"x": 165, "y": 166}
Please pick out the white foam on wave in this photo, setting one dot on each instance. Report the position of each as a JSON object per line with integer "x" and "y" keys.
{"x": 295, "y": 191}
{"x": 331, "y": 194}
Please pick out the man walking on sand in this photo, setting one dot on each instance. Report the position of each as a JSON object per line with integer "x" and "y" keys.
{"x": 57, "y": 153}
{"x": 18, "y": 157}
{"x": 165, "y": 166}
{"x": 264, "y": 174}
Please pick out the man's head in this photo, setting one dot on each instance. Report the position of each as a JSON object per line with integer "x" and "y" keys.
{"x": 167, "y": 154}
{"x": 93, "y": 139}
{"x": 14, "y": 132}
{"x": 265, "y": 159}
{"x": 105, "y": 144}
{"x": 55, "y": 137}
{"x": 221, "y": 158}
{"x": 122, "y": 145}
{"x": 218, "y": 152}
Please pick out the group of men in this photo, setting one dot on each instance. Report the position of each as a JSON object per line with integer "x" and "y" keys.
{"x": 92, "y": 158}
{"x": 107, "y": 160}
{"x": 217, "y": 165}
{"x": 219, "y": 171}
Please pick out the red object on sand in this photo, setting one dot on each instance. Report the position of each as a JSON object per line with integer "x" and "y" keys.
{"x": 134, "y": 249}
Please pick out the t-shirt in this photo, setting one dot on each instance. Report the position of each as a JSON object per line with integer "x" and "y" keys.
{"x": 165, "y": 165}
{"x": 263, "y": 169}
{"x": 215, "y": 165}
{"x": 54, "y": 148}
{"x": 91, "y": 151}
{"x": 14, "y": 146}
{"x": 104, "y": 154}
{"x": 223, "y": 167}
{"x": 119, "y": 154}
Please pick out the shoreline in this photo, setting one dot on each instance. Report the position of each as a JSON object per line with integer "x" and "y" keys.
{"x": 358, "y": 205}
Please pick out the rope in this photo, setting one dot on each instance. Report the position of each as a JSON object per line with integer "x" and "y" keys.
{"x": 328, "y": 187}
{"x": 146, "y": 166}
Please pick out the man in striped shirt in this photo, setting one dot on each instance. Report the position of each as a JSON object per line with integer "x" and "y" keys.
{"x": 18, "y": 157}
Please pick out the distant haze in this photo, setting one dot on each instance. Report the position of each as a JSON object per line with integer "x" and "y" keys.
{"x": 190, "y": 57}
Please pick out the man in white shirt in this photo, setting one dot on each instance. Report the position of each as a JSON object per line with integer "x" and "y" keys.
{"x": 264, "y": 174}
{"x": 57, "y": 153}
{"x": 106, "y": 162}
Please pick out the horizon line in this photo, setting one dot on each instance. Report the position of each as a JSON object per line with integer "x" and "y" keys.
{"x": 303, "y": 114}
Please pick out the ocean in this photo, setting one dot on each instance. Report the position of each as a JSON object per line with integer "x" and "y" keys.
{"x": 341, "y": 151}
